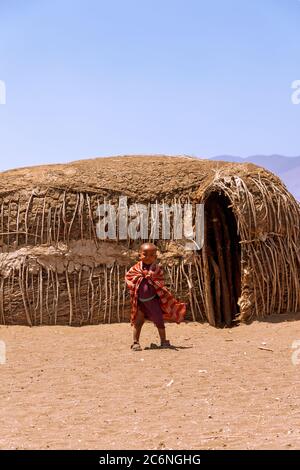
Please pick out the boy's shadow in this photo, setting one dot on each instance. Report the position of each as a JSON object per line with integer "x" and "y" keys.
{"x": 155, "y": 347}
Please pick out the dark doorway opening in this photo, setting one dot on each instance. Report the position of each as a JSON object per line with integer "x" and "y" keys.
{"x": 223, "y": 252}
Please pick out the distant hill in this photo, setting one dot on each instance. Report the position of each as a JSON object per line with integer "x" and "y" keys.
{"x": 287, "y": 168}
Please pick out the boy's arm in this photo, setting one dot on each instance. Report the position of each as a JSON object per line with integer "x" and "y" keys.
{"x": 156, "y": 273}
{"x": 131, "y": 277}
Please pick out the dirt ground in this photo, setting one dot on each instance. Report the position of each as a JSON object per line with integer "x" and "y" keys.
{"x": 83, "y": 388}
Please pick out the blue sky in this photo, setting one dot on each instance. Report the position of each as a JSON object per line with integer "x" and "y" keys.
{"x": 93, "y": 78}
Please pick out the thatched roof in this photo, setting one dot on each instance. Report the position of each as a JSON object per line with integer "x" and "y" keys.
{"x": 159, "y": 174}
{"x": 51, "y": 208}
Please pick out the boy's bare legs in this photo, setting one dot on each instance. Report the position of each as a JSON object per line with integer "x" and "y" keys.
{"x": 163, "y": 339}
{"x": 162, "y": 334}
{"x": 137, "y": 327}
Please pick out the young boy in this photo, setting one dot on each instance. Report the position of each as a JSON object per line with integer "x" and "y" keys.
{"x": 150, "y": 298}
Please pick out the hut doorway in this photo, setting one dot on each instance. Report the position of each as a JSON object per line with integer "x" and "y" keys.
{"x": 223, "y": 259}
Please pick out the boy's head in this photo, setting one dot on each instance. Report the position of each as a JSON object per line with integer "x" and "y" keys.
{"x": 148, "y": 253}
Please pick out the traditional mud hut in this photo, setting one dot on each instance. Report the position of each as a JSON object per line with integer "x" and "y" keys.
{"x": 55, "y": 270}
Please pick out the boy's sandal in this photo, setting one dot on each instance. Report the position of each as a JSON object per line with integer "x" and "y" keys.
{"x": 136, "y": 346}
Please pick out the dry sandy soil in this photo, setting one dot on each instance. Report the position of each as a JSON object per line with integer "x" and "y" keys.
{"x": 82, "y": 388}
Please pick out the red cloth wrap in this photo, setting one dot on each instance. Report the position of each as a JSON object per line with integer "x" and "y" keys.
{"x": 173, "y": 310}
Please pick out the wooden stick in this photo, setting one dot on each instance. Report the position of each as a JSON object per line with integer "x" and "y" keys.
{"x": 207, "y": 289}
{"x": 118, "y": 293}
{"x": 47, "y": 293}
{"x": 194, "y": 294}
{"x": 197, "y": 263}
{"x": 8, "y": 222}
{"x": 26, "y": 217}
{"x": 64, "y": 217}
{"x": 190, "y": 286}
{"x": 70, "y": 297}
{"x": 58, "y": 224}
{"x": 75, "y": 292}
{"x": 21, "y": 285}
{"x": 124, "y": 294}
{"x": 79, "y": 294}
{"x": 93, "y": 295}
{"x": 100, "y": 298}
{"x": 216, "y": 270}
{"x": 56, "y": 300}
{"x": 41, "y": 294}
{"x": 110, "y": 294}
{"x": 2, "y": 300}
{"x": 106, "y": 292}
{"x": 2, "y": 222}
{"x": 43, "y": 217}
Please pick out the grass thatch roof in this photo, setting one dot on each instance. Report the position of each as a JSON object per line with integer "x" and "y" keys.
{"x": 160, "y": 175}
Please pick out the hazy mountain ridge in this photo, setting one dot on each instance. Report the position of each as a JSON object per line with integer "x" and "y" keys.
{"x": 287, "y": 168}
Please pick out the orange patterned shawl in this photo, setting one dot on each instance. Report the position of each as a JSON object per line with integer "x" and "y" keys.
{"x": 173, "y": 310}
